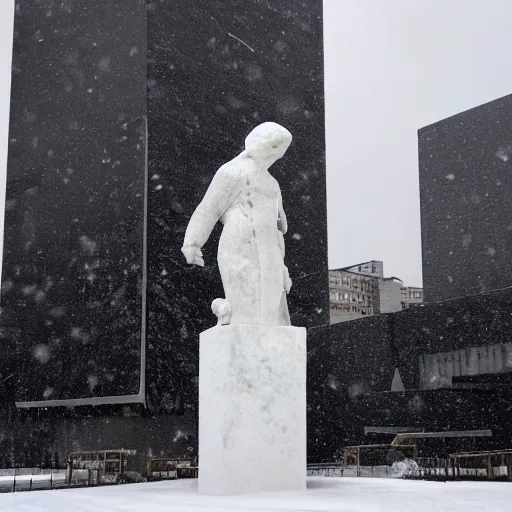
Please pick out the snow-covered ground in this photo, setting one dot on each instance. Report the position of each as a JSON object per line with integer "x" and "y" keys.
{"x": 323, "y": 495}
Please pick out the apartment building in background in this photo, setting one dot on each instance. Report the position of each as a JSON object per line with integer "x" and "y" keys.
{"x": 362, "y": 290}
{"x": 411, "y": 295}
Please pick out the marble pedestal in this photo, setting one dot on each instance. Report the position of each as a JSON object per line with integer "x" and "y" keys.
{"x": 252, "y": 409}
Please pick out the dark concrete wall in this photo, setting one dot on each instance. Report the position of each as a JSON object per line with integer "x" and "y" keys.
{"x": 442, "y": 409}
{"x": 451, "y": 325}
{"x": 466, "y": 213}
{"x": 72, "y": 261}
{"x": 346, "y": 361}
{"x": 206, "y": 92}
{"x": 42, "y": 438}
{"x": 351, "y": 367}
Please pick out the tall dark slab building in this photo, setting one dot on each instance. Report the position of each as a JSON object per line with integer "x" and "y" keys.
{"x": 216, "y": 75}
{"x": 466, "y": 212}
{"x": 121, "y": 112}
{"x": 74, "y": 221}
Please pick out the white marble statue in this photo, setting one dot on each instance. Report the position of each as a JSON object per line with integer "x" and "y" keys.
{"x": 246, "y": 199}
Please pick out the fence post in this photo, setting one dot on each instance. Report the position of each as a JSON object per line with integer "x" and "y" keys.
{"x": 14, "y": 481}
{"x": 69, "y": 468}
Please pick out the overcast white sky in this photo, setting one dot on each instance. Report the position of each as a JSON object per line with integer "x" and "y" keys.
{"x": 391, "y": 67}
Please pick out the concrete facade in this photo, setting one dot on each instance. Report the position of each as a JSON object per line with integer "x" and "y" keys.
{"x": 352, "y": 295}
{"x": 390, "y": 294}
{"x": 362, "y": 290}
{"x": 410, "y": 296}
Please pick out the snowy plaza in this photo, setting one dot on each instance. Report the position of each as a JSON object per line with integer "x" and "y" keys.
{"x": 322, "y": 495}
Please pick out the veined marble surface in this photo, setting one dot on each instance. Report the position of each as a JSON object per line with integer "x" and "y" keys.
{"x": 252, "y": 409}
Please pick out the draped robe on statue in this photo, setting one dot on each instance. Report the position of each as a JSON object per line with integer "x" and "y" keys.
{"x": 246, "y": 199}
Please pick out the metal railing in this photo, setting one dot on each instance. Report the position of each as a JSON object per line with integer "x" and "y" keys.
{"x": 434, "y": 468}
{"x": 30, "y": 479}
{"x": 33, "y": 479}
{"x": 333, "y": 469}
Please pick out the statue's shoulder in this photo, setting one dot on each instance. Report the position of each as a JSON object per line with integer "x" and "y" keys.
{"x": 232, "y": 170}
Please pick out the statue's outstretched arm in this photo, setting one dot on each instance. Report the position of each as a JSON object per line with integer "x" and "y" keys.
{"x": 221, "y": 194}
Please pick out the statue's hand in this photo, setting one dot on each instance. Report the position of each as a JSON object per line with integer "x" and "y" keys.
{"x": 193, "y": 255}
{"x": 287, "y": 280}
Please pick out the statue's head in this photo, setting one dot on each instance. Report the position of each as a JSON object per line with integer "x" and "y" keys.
{"x": 268, "y": 141}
